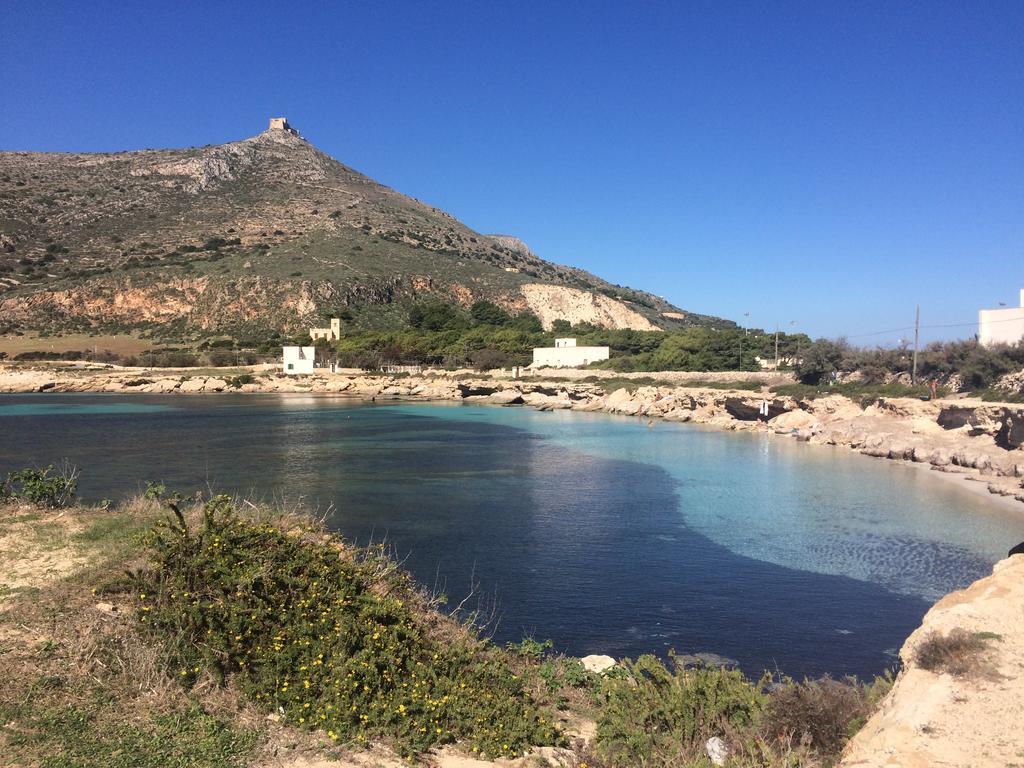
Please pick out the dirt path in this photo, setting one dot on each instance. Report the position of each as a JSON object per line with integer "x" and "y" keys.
{"x": 36, "y": 548}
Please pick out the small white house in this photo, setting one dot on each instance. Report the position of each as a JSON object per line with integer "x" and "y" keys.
{"x": 565, "y": 354}
{"x": 298, "y": 359}
{"x": 1001, "y": 326}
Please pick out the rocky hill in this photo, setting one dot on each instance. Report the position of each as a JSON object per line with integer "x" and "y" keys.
{"x": 262, "y": 234}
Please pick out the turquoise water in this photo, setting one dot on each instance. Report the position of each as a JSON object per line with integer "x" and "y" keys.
{"x": 604, "y": 534}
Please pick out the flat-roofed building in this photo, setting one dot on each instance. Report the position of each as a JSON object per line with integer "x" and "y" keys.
{"x": 565, "y": 354}
{"x": 298, "y": 360}
{"x": 1001, "y": 326}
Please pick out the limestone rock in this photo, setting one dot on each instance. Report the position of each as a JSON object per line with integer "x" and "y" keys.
{"x": 798, "y": 419}
{"x": 597, "y": 664}
{"x": 932, "y": 718}
{"x": 192, "y": 385}
{"x": 717, "y": 751}
{"x": 622, "y": 401}
{"x": 505, "y": 397}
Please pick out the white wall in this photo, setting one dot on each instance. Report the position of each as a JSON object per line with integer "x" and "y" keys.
{"x": 1001, "y": 326}
{"x": 568, "y": 357}
{"x": 298, "y": 360}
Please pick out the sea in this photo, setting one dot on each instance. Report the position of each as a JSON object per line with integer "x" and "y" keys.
{"x": 605, "y": 534}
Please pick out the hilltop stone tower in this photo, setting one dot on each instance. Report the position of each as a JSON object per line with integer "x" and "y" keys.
{"x": 281, "y": 124}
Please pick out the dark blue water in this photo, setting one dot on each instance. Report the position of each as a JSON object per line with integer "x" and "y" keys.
{"x": 598, "y": 532}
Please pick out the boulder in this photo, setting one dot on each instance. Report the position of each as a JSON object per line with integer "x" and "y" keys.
{"x": 597, "y": 664}
{"x": 192, "y": 385}
{"x": 793, "y": 420}
{"x": 1011, "y": 434}
{"x": 622, "y": 401}
{"x": 717, "y": 751}
{"x": 546, "y": 402}
{"x": 505, "y": 397}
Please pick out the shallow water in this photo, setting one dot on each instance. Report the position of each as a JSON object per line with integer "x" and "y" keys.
{"x": 599, "y": 532}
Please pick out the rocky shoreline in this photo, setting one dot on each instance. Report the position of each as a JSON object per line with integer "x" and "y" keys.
{"x": 935, "y": 716}
{"x": 974, "y": 439}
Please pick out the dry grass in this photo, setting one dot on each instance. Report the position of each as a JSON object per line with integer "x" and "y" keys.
{"x": 84, "y": 687}
{"x": 121, "y": 344}
{"x": 821, "y": 714}
{"x": 960, "y": 653}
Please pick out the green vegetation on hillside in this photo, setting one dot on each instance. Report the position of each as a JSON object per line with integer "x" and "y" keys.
{"x": 335, "y": 639}
{"x": 230, "y": 614}
{"x": 236, "y": 238}
{"x": 489, "y": 337}
{"x": 966, "y": 363}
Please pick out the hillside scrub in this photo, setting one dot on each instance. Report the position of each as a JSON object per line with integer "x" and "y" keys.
{"x": 232, "y": 613}
{"x": 334, "y": 639}
{"x": 452, "y": 340}
{"x": 966, "y": 363}
{"x": 45, "y": 487}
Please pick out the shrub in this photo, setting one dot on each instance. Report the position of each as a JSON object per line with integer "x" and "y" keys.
{"x": 652, "y": 712}
{"x": 489, "y": 313}
{"x": 822, "y": 713}
{"x": 530, "y": 648}
{"x": 334, "y": 639}
{"x": 155, "y": 491}
{"x": 45, "y": 487}
{"x": 957, "y": 653}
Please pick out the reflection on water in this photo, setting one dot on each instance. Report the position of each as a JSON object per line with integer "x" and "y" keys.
{"x": 594, "y": 531}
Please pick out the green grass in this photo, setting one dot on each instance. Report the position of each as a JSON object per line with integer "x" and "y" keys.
{"x": 999, "y": 396}
{"x": 85, "y": 735}
{"x": 865, "y": 394}
{"x": 744, "y": 384}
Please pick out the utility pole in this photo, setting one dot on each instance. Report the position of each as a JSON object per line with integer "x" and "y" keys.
{"x": 739, "y": 362}
{"x": 917, "y": 333}
{"x": 776, "y": 346}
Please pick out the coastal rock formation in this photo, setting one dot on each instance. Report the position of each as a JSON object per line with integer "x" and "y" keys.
{"x": 971, "y": 720}
{"x": 980, "y": 441}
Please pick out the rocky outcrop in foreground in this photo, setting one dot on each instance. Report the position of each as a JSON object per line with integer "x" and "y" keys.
{"x": 982, "y": 441}
{"x": 969, "y": 718}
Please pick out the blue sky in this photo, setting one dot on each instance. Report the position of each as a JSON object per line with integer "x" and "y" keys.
{"x": 824, "y": 162}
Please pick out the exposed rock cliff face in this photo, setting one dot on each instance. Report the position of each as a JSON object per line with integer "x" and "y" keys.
{"x": 931, "y": 718}
{"x": 553, "y": 302}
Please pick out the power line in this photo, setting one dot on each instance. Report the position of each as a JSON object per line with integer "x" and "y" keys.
{"x": 973, "y": 324}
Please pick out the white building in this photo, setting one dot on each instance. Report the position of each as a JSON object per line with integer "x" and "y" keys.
{"x": 565, "y": 354}
{"x": 1001, "y": 326}
{"x": 298, "y": 359}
